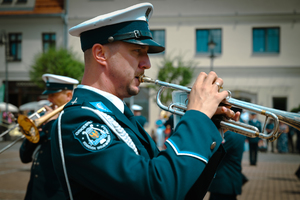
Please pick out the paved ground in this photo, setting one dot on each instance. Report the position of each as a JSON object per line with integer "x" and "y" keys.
{"x": 272, "y": 178}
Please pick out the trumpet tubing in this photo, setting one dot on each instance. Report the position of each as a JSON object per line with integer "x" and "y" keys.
{"x": 178, "y": 108}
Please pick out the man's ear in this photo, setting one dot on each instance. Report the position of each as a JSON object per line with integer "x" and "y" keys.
{"x": 99, "y": 53}
{"x": 69, "y": 94}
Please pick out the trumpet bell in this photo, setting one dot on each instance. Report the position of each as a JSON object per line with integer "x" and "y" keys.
{"x": 28, "y": 128}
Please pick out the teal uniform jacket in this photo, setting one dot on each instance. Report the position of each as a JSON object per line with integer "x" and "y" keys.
{"x": 43, "y": 183}
{"x": 228, "y": 179}
{"x": 141, "y": 119}
{"x": 110, "y": 169}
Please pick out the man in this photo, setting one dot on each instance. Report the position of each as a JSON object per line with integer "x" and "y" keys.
{"x": 98, "y": 149}
{"x": 253, "y": 142}
{"x": 229, "y": 179}
{"x": 43, "y": 182}
{"x": 269, "y": 129}
{"x": 137, "y": 112}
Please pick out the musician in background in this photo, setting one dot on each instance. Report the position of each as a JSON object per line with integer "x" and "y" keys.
{"x": 137, "y": 112}
{"x": 43, "y": 183}
{"x": 253, "y": 142}
{"x": 107, "y": 155}
{"x": 229, "y": 179}
{"x": 269, "y": 129}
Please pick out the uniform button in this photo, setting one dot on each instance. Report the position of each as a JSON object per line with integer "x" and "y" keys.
{"x": 37, "y": 163}
{"x": 41, "y": 151}
{"x": 213, "y": 145}
{"x": 36, "y": 176}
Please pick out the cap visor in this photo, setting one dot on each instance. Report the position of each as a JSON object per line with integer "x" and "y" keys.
{"x": 51, "y": 91}
{"x": 154, "y": 47}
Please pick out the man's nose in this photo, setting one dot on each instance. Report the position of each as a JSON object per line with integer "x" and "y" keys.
{"x": 49, "y": 98}
{"x": 145, "y": 62}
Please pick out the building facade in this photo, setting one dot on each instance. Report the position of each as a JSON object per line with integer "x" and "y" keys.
{"x": 255, "y": 43}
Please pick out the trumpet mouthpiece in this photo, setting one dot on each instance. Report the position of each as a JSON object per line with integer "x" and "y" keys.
{"x": 146, "y": 79}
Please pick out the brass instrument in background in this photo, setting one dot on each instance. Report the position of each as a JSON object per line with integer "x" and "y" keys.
{"x": 29, "y": 126}
{"x": 178, "y": 108}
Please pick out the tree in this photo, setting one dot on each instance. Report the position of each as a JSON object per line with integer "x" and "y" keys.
{"x": 296, "y": 110}
{"x": 56, "y": 61}
{"x": 174, "y": 70}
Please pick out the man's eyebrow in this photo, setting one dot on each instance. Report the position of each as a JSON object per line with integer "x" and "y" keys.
{"x": 144, "y": 47}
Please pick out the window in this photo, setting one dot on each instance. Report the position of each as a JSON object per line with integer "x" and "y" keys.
{"x": 159, "y": 37}
{"x": 48, "y": 41}
{"x": 6, "y": 1}
{"x": 15, "y": 46}
{"x": 265, "y": 40}
{"x": 280, "y": 103}
{"x": 21, "y": 1}
{"x": 204, "y": 36}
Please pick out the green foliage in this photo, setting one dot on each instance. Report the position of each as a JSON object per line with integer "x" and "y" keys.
{"x": 174, "y": 70}
{"x": 56, "y": 61}
{"x": 296, "y": 110}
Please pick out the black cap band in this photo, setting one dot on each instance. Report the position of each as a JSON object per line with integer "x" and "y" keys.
{"x": 57, "y": 87}
{"x": 125, "y": 31}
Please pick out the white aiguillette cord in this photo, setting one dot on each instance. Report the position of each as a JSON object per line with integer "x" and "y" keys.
{"x": 62, "y": 156}
{"x": 111, "y": 123}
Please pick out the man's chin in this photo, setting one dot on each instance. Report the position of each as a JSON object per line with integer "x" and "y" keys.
{"x": 134, "y": 91}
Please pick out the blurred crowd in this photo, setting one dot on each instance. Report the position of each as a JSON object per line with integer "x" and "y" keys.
{"x": 287, "y": 142}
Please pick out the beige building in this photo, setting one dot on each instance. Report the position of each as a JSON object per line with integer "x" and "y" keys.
{"x": 256, "y": 42}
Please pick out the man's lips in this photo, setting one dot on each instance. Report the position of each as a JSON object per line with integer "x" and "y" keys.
{"x": 137, "y": 81}
{"x": 138, "y": 77}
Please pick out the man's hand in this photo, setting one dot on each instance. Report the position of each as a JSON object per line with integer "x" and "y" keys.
{"x": 222, "y": 110}
{"x": 205, "y": 96}
{"x": 49, "y": 110}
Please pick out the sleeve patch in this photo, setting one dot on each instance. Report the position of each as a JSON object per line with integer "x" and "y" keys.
{"x": 93, "y": 136}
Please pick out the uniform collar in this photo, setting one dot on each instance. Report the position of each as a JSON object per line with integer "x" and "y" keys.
{"x": 112, "y": 98}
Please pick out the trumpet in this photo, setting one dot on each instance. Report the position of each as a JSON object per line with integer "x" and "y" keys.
{"x": 29, "y": 126}
{"x": 179, "y": 108}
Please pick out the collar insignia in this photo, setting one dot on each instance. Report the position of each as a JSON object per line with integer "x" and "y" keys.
{"x": 75, "y": 101}
{"x": 93, "y": 136}
{"x": 100, "y": 106}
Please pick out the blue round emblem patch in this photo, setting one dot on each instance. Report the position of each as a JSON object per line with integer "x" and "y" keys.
{"x": 93, "y": 136}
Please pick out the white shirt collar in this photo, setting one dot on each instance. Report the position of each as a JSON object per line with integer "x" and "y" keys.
{"x": 112, "y": 98}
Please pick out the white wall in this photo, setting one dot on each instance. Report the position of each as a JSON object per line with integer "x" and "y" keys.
{"x": 32, "y": 30}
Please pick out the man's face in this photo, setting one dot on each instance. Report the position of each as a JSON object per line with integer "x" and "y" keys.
{"x": 252, "y": 116}
{"x": 126, "y": 62}
{"x": 59, "y": 98}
